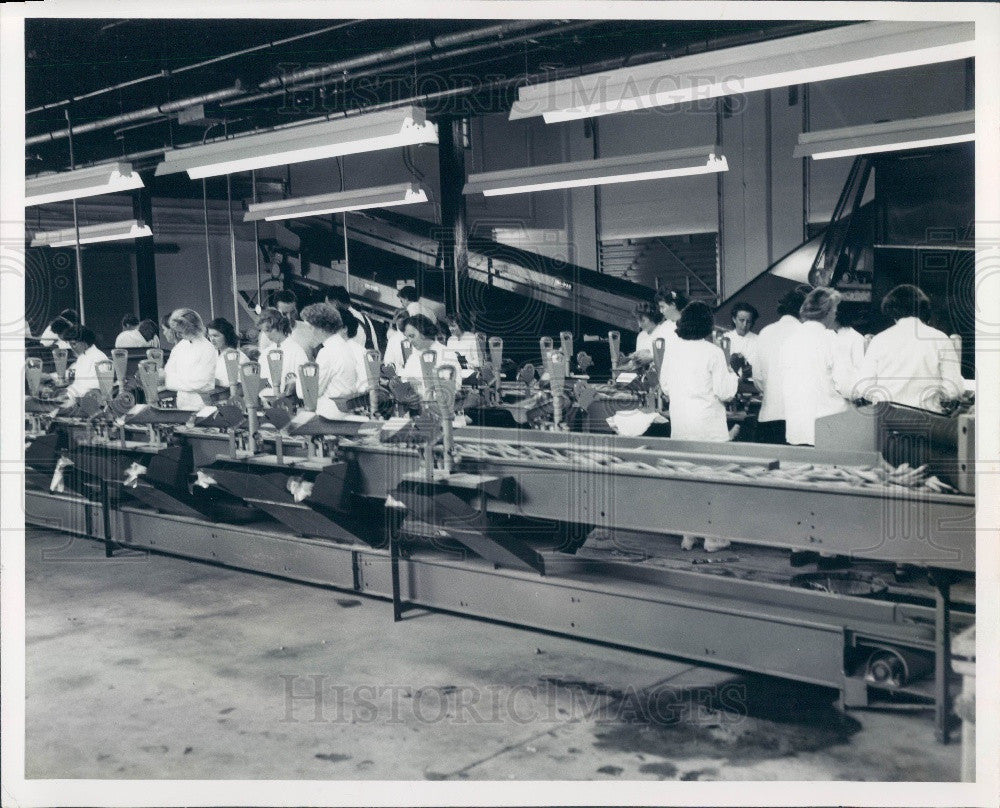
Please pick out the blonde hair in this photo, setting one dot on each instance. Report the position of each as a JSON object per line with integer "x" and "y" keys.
{"x": 187, "y": 324}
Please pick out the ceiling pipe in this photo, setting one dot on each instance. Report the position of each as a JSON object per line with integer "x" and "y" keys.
{"x": 214, "y": 60}
{"x": 592, "y": 67}
{"x": 435, "y": 56}
{"x": 298, "y": 75}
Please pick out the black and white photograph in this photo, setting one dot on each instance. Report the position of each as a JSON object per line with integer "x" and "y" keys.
{"x": 500, "y": 403}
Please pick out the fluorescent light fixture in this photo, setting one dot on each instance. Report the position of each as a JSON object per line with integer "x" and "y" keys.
{"x": 912, "y": 133}
{"x": 92, "y": 181}
{"x": 93, "y": 234}
{"x": 386, "y": 196}
{"x": 605, "y": 171}
{"x": 851, "y": 50}
{"x": 405, "y": 126}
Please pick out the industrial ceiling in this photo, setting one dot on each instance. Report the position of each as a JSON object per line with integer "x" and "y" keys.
{"x": 133, "y": 88}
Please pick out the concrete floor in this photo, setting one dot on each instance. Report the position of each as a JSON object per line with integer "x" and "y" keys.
{"x": 153, "y": 667}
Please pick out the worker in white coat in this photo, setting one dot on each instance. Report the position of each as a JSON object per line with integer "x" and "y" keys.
{"x": 190, "y": 368}
{"x": 697, "y": 379}
{"x": 337, "y": 372}
{"x": 422, "y": 334}
{"x": 278, "y": 329}
{"x": 816, "y": 376}
{"x": 81, "y": 340}
{"x": 767, "y": 370}
{"x": 647, "y": 317}
{"x": 910, "y": 362}
{"x": 742, "y": 339}
{"x": 670, "y": 304}
{"x": 222, "y": 334}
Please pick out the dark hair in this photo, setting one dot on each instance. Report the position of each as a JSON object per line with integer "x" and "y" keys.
{"x": 338, "y": 295}
{"x": 70, "y": 314}
{"x": 754, "y": 314}
{"x": 148, "y": 329}
{"x": 409, "y": 293}
{"x": 323, "y": 316}
{"x": 351, "y": 323}
{"x": 673, "y": 298}
{"x": 80, "y": 333}
{"x": 792, "y": 301}
{"x": 60, "y": 326}
{"x": 285, "y": 296}
{"x": 224, "y": 327}
{"x": 273, "y": 319}
{"x": 422, "y": 324}
{"x": 907, "y": 300}
{"x": 696, "y": 321}
{"x": 461, "y": 321}
{"x": 650, "y": 311}
{"x": 129, "y": 321}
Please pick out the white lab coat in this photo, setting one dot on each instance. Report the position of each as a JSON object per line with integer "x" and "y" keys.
{"x": 394, "y": 349}
{"x": 851, "y": 344}
{"x": 815, "y": 378}
{"x": 221, "y": 372}
{"x": 910, "y": 363}
{"x": 665, "y": 330}
{"x": 467, "y": 346}
{"x": 85, "y": 373}
{"x": 293, "y": 356}
{"x": 767, "y": 373}
{"x": 133, "y": 339}
{"x": 644, "y": 344}
{"x": 337, "y": 372}
{"x": 413, "y": 370}
{"x": 190, "y": 371}
{"x": 358, "y": 351}
{"x": 746, "y": 345}
{"x": 697, "y": 379}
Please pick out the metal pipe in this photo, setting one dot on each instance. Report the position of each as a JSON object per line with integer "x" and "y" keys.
{"x": 139, "y": 114}
{"x": 347, "y": 263}
{"x": 232, "y": 250}
{"x": 434, "y": 56}
{"x": 76, "y": 226}
{"x": 282, "y": 81}
{"x": 214, "y": 60}
{"x": 256, "y": 240}
{"x": 432, "y": 43}
{"x": 208, "y": 251}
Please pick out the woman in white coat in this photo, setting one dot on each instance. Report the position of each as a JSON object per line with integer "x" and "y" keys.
{"x": 190, "y": 368}
{"x": 816, "y": 373}
{"x": 697, "y": 379}
{"x": 910, "y": 363}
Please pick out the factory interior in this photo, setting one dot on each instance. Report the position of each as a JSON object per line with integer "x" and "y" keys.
{"x": 483, "y": 399}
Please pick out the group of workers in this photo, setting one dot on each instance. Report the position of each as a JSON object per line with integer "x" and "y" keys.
{"x": 806, "y": 365}
{"x": 331, "y": 332}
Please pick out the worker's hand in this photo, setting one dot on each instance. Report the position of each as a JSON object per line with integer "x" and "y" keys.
{"x": 739, "y": 364}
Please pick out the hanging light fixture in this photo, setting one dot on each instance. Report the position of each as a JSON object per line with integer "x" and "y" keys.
{"x": 404, "y": 126}
{"x": 604, "y": 171}
{"x": 83, "y": 182}
{"x": 93, "y": 234}
{"x": 912, "y": 133}
{"x": 849, "y": 50}
{"x": 387, "y": 196}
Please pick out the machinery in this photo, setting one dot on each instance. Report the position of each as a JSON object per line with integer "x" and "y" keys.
{"x": 844, "y": 570}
